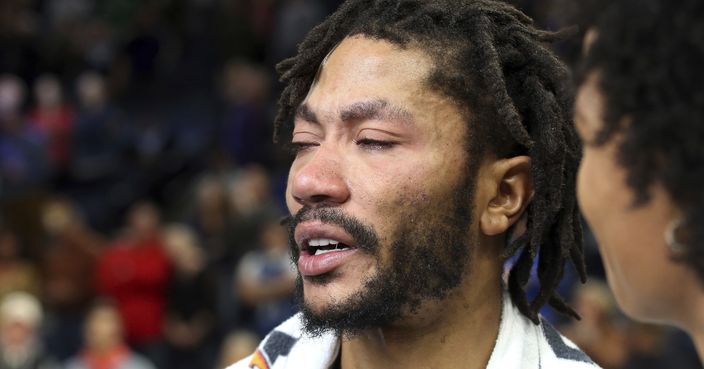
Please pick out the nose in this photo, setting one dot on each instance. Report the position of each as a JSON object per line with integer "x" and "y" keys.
{"x": 319, "y": 180}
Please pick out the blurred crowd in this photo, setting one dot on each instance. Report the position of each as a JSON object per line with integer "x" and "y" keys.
{"x": 141, "y": 196}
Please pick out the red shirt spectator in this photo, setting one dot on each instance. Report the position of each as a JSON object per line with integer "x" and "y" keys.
{"x": 135, "y": 273}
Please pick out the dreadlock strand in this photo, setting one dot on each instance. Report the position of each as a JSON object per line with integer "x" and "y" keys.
{"x": 559, "y": 304}
{"x": 548, "y": 275}
{"x": 494, "y": 81}
{"x": 517, "y": 280}
{"x": 514, "y": 246}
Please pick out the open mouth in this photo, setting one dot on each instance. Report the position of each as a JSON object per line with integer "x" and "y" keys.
{"x": 320, "y": 246}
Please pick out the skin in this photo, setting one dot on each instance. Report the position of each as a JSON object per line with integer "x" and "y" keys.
{"x": 647, "y": 283}
{"x": 103, "y": 330}
{"x": 371, "y": 167}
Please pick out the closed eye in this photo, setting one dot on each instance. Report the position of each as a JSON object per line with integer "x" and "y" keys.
{"x": 371, "y": 144}
{"x": 294, "y": 148}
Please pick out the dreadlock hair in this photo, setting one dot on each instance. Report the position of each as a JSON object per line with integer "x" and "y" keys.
{"x": 491, "y": 59}
{"x": 648, "y": 56}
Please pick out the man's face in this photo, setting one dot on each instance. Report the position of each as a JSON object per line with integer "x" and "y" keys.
{"x": 381, "y": 172}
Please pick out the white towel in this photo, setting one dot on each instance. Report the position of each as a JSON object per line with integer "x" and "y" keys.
{"x": 519, "y": 345}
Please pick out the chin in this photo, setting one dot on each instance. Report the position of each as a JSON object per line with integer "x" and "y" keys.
{"x": 316, "y": 295}
{"x": 317, "y": 301}
{"x": 321, "y": 299}
{"x": 625, "y": 302}
{"x": 634, "y": 302}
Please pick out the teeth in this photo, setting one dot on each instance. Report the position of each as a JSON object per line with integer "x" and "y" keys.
{"x": 319, "y": 246}
{"x": 321, "y": 251}
{"x": 322, "y": 242}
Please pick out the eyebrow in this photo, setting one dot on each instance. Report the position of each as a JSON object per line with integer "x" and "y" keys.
{"x": 375, "y": 109}
{"x": 304, "y": 112}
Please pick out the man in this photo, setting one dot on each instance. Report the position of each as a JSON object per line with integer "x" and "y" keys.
{"x": 432, "y": 141}
{"x": 20, "y": 344}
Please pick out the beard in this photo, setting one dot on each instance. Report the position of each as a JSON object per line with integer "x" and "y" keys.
{"x": 427, "y": 260}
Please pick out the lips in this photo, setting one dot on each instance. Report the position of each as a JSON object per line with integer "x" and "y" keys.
{"x": 322, "y": 247}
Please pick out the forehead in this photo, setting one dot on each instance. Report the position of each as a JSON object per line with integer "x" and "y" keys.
{"x": 589, "y": 106}
{"x": 360, "y": 68}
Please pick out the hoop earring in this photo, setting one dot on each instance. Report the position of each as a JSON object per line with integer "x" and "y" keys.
{"x": 675, "y": 246}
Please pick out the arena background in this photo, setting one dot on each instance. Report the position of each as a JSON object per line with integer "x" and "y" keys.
{"x": 140, "y": 193}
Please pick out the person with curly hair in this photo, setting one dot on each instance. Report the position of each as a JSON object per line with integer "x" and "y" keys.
{"x": 640, "y": 113}
{"x": 432, "y": 140}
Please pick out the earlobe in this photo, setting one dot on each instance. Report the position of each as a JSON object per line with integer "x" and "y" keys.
{"x": 493, "y": 224}
{"x": 510, "y": 193}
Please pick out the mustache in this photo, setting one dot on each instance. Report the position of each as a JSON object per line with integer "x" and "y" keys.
{"x": 363, "y": 235}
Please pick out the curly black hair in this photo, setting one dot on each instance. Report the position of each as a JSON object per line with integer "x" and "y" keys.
{"x": 649, "y": 56}
{"x": 494, "y": 64}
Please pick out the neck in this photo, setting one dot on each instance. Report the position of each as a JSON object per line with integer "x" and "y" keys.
{"x": 105, "y": 348}
{"x": 459, "y": 331}
{"x": 695, "y": 324}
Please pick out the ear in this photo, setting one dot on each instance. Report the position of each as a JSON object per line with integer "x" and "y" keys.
{"x": 510, "y": 189}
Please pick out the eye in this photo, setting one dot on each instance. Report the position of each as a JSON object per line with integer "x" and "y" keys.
{"x": 295, "y": 148}
{"x": 371, "y": 144}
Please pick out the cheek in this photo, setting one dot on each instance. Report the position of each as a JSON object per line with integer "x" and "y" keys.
{"x": 593, "y": 189}
{"x": 386, "y": 198}
{"x": 291, "y": 204}
{"x": 603, "y": 201}
{"x": 630, "y": 239}
{"x": 403, "y": 194}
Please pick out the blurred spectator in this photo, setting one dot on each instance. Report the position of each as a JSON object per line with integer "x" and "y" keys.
{"x": 266, "y": 279}
{"x": 98, "y": 137}
{"x": 23, "y": 166}
{"x": 68, "y": 268}
{"x": 250, "y": 195}
{"x": 99, "y": 145}
{"x": 236, "y": 346}
{"x": 135, "y": 271}
{"x": 246, "y": 129}
{"x": 190, "y": 318}
{"x": 23, "y": 163}
{"x": 15, "y": 273}
{"x": 54, "y": 118}
{"x": 105, "y": 346}
{"x": 20, "y": 320}
{"x": 599, "y": 333}
{"x": 69, "y": 260}
{"x": 213, "y": 220}
{"x": 226, "y": 233}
